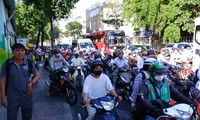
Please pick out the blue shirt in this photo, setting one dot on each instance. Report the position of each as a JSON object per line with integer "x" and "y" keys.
{"x": 18, "y": 77}
{"x": 120, "y": 62}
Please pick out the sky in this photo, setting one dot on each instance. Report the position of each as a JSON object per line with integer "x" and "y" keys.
{"x": 79, "y": 9}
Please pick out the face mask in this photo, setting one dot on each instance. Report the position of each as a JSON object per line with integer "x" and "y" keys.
{"x": 159, "y": 77}
{"x": 57, "y": 55}
{"x": 144, "y": 57}
{"x": 98, "y": 73}
{"x": 76, "y": 56}
{"x": 167, "y": 58}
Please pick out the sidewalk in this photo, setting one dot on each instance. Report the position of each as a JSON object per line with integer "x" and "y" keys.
{"x": 45, "y": 111}
{"x": 45, "y": 107}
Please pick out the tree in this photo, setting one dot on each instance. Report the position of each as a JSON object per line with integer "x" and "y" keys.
{"x": 53, "y": 9}
{"x": 75, "y": 28}
{"x": 30, "y": 22}
{"x": 167, "y": 18}
{"x": 115, "y": 14}
{"x": 25, "y": 23}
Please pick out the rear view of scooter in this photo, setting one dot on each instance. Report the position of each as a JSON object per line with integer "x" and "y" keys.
{"x": 79, "y": 78}
{"x": 62, "y": 84}
{"x": 124, "y": 82}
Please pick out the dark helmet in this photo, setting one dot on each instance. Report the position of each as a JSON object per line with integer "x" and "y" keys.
{"x": 76, "y": 54}
{"x": 150, "y": 52}
{"x": 95, "y": 63}
{"x": 56, "y": 51}
{"x": 120, "y": 52}
{"x": 97, "y": 55}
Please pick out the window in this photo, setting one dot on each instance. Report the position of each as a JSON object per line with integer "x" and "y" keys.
{"x": 86, "y": 45}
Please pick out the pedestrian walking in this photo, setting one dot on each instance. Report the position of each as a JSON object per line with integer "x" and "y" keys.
{"x": 16, "y": 85}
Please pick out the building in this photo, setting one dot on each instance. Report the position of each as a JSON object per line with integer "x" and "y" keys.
{"x": 7, "y": 28}
{"x": 99, "y": 12}
{"x": 82, "y": 19}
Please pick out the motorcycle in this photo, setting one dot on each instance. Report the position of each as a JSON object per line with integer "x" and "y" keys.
{"x": 178, "y": 112}
{"x": 62, "y": 83}
{"x": 124, "y": 82}
{"x": 104, "y": 108}
{"x": 79, "y": 78}
{"x": 183, "y": 86}
{"x": 195, "y": 95}
{"x": 46, "y": 61}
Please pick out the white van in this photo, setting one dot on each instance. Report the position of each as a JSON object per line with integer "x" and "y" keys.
{"x": 83, "y": 44}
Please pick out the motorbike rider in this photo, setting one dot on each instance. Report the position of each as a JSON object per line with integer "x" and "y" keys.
{"x": 142, "y": 58}
{"x": 77, "y": 61}
{"x": 157, "y": 91}
{"x": 56, "y": 62}
{"x": 175, "y": 56}
{"x": 96, "y": 85}
{"x": 144, "y": 74}
{"x": 161, "y": 56}
{"x": 118, "y": 62}
{"x": 107, "y": 69}
{"x": 34, "y": 52}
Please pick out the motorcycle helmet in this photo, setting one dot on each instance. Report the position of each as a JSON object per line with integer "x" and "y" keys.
{"x": 76, "y": 55}
{"x": 96, "y": 63}
{"x": 150, "y": 52}
{"x": 56, "y": 51}
{"x": 157, "y": 67}
{"x": 149, "y": 61}
{"x": 120, "y": 52}
{"x": 29, "y": 45}
{"x": 97, "y": 55}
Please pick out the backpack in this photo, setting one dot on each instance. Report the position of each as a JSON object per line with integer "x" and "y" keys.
{"x": 30, "y": 63}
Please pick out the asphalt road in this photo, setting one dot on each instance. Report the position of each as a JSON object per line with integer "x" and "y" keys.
{"x": 123, "y": 108}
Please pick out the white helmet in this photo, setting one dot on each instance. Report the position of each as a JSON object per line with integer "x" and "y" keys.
{"x": 149, "y": 61}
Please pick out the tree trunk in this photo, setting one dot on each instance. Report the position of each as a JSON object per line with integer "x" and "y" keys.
{"x": 42, "y": 36}
{"x": 52, "y": 33}
{"x": 38, "y": 37}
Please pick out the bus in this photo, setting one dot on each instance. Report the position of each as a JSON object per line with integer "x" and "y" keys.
{"x": 196, "y": 44}
{"x": 107, "y": 39}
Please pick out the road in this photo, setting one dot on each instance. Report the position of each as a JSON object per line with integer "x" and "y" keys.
{"x": 55, "y": 107}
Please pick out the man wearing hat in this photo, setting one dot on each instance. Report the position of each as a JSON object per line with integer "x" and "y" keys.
{"x": 156, "y": 90}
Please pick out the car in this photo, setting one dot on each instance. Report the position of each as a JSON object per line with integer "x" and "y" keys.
{"x": 181, "y": 45}
{"x": 135, "y": 47}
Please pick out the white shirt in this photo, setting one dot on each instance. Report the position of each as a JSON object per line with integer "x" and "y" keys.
{"x": 97, "y": 87}
{"x": 77, "y": 62}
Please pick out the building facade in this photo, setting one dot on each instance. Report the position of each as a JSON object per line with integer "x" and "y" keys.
{"x": 99, "y": 12}
{"x": 7, "y": 28}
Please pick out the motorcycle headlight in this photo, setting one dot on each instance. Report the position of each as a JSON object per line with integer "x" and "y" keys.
{"x": 183, "y": 114}
{"x": 108, "y": 106}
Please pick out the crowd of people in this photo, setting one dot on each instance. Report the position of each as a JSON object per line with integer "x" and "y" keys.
{"x": 150, "y": 83}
